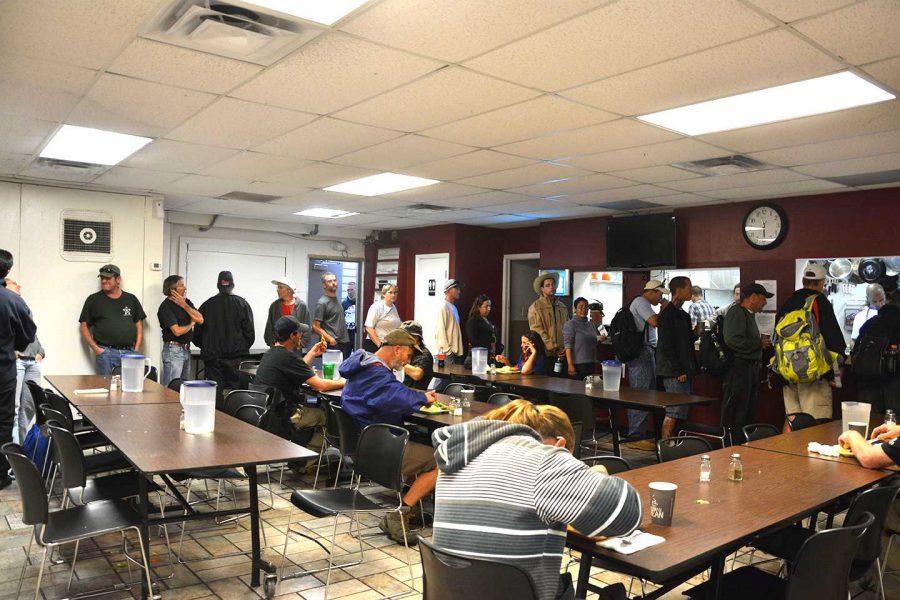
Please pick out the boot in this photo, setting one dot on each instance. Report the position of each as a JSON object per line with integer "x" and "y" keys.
{"x": 391, "y": 525}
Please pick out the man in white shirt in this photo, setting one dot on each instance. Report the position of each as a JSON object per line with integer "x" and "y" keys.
{"x": 875, "y": 299}
{"x": 448, "y": 333}
{"x": 642, "y": 370}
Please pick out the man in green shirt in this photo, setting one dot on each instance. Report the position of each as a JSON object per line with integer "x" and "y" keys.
{"x": 111, "y": 321}
{"x": 740, "y": 388}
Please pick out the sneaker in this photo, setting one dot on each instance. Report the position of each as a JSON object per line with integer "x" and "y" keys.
{"x": 391, "y": 525}
{"x": 645, "y": 445}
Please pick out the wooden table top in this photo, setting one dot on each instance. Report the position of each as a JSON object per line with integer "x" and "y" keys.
{"x": 461, "y": 371}
{"x": 796, "y": 442}
{"x": 477, "y": 409}
{"x": 66, "y": 385}
{"x": 626, "y": 396}
{"x": 777, "y": 489}
{"x": 150, "y": 438}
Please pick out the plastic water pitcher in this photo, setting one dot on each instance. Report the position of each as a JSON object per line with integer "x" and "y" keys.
{"x": 855, "y": 412}
{"x": 479, "y": 361}
{"x": 612, "y": 375}
{"x": 333, "y": 357}
{"x": 198, "y": 399}
{"x": 135, "y": 368}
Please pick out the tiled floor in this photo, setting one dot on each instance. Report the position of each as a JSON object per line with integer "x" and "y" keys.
{"x": 211, "y": 570}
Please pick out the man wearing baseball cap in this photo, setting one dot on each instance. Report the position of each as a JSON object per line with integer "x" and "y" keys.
{"x": 373, "y": 394}
{"x": 448, "y": 334}
{"x": 111, "y": 321}
{"x": 288, "y": 304}
{"x": 813, "y": 398}
{"x": 419, "y": 371}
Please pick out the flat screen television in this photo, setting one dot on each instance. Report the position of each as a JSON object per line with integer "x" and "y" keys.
{"x": 641, "y": 242}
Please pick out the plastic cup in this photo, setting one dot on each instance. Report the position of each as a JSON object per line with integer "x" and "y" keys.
{"x": 328, "y": 371}
{"x": 662, "y": 502}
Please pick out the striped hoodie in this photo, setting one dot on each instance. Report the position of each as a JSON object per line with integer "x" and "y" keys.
{"x": 503, "y": 495}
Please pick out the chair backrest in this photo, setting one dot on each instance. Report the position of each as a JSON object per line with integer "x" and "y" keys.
{"x": 678, "y": 447}
{"x": 577, "y": 428}
{"x": 435, "y": 383}
{"x": 58, "y": 403}
{"x": 447, "y": 575}
{"x": 30, "y": 484}
{"x": 249, "y": 413}
{"x": 454, "y": 389}
{"x": 502, "y": 398}
{"x": 613, "y": 464}
{"x": 758, "y": 431}
{"x": 153, "y": 374}
{"x": 175, "y": 384}
{"x": 379, "y": 455}
{"x": 51, "y": 414}
{"x": 38, "y": 396}
{"x": 258, "y": 387}
{"x": 238, "y": 398}
{"x": 246, "y": 364}
{"x": 348, "y": 430}
{"x": 707, "y": 432}
{"x": 877, "y": 502}
{"x": 332, "y": 435}
{"x": 821, "y": 570}
{"x": 68, "y": 455}
{"x": 800, "y": 420}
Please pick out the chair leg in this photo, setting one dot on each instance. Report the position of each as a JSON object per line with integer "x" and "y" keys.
{"x": 337, "y": 477}
{"x": 880, "y": 580}
{"x": 331, "y": 555}
{"x": 25, "y": 564}
{"x": 319, "y": 465}
{"x": 37, "y": 586}
{"x": 187, "y": 500}
{"x": 287, "y": 537}
{"x": 146, "y": 561}
{"x": 72, "y": 570}
{"x": 406, "y": 545}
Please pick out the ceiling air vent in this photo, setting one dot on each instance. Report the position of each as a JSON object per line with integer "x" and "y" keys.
{"x": 85, "y": 236}
{"x": 249, "y": 197}
{"x": 233, "y": 29}
{"x": 723, "y": 165}
{"x": 55, "y": 165}
{"x": 627, "y": 205}
{"x": 426, "y": 209}
{"x": 863, "y": 179}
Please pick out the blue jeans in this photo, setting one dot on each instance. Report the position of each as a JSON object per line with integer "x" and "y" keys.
{"x": 641, "y": 376}
{"x": 26, "y": 370}
{"x": 109, "y": 360}
{"x": 673, "y": 386}
{"x": 175, "y": 362}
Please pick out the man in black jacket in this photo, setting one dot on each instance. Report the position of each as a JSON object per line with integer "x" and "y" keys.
{"x": 675, "y": 351}
{"x": 883, "y": 393}
{"x": 226, "y": 334}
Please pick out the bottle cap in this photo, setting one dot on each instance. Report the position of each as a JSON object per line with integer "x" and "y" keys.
{"x": 705, "y": 457}
{"x": 735, "y": 455}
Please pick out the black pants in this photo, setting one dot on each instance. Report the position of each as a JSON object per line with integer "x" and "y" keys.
{"x": 583, "y": 370}
{"x": 740, "y": 391}
{"x": 224, "y": 371}
{"x": 7, "y": 416}
{"x": 882, "y": 395}
{"x": 369, "y": 346}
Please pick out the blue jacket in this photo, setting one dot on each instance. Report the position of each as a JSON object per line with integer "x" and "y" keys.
{"x": 372, "y": 394}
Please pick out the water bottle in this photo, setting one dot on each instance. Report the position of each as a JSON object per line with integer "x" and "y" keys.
{"x": 705, "y": 468}
{"x": 889, "y": 418}
{"x": 558, "y": 367}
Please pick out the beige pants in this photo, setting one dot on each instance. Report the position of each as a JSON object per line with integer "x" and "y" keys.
{"x": 310, "y": 416}
{"x": 813, "y": 398}
{"x": 417, "y": 459}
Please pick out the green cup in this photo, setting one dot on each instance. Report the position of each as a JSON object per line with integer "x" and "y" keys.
{"x": 328, "y": 370}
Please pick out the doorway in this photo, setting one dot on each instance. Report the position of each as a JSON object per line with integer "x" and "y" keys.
{"x": 432, "y": 271}
{"x": 348, "y": 277}
{"x": 519, "y": 271}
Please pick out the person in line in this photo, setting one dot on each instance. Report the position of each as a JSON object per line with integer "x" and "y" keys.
{"x": 226, "y": 334}
{"x": 521, "y": 519}
{"x": 874, "y": 456}
{"x": 813, "y": 398}
{"x": 700, "y": 310}
{"x": 546, "y": 316}
{"x": 740, "y": 386}
{"x": 418, "y": 372}
{"x": 288, "y": 304}
{"x": 448, "y": 335}
{"x": 642, "y": 370}
{"x": 328, "y": 318}
{"x": 596, "y": 314}
{"x": 883, "y": 393}
{"x": 735, "y": 300}
{"x": 177, "y": 318}
{"x": 111, "y": 321}
{"x": 675, "y": 361}
{"x": 533, "y": 360}
{"x": 373, "y": 395}
{"x": 17, "y": 331}
{"x": 480, "y": 332}
{"x": 580, "y": 339}
{"x": 286, "y": 369}
{"x": 875, "y": 299}
{"x": 382, "y": 318}
{"x": 349, "y": 304}
{"x": 28, "y": 368}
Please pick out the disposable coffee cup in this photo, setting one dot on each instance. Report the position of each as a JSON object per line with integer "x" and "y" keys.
{"x": 662, "y": 502}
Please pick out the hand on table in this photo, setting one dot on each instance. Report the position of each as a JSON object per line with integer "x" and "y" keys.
{"x": 430, "y": 397}
{"x": 572, "y": 371}
{"x": 886, "y": 433}
{"x": 501, "y": 359}
{"x": 848, "y": 437}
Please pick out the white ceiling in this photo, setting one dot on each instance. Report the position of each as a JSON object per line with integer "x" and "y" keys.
{"x": 524, "y": 109}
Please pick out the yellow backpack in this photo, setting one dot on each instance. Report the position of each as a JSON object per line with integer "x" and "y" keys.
{"x": 800, "y": 352}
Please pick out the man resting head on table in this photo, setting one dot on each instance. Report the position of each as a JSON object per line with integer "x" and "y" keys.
{"x": 874, "y": 456}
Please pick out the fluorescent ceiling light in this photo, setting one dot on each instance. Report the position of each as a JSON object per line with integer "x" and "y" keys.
{"x": 325, "y": 213}
{"x": 791, "y": 101}
{"x": 94, "y": 146}
{"x": 383, "y": 183}
{"x": 326, "y": 12}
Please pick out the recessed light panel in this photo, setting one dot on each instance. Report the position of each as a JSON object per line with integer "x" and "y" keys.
{"x": 326, "y": 12}
{"x": 92, "y": 146}
{"x": 325, "y": 213}
{"x": 383, "y": 183}
{"x": 791, "y": 101}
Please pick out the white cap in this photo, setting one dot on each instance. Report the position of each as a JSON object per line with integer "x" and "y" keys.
{"x": 655, "y": 285}
{"x": 814, "y": 272}
{"x": 285, "y": 281}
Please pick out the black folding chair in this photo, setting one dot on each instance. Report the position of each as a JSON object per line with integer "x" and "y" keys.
{"x": 348, "y": 440}
{"x": 235, "y": 399}
{"x": 759, "y": 431}
{"x": 613, "y": 464}
{"x": 800, "y": 420}
{"x": 679, "y": 447}
{"x": 502, "y": 398}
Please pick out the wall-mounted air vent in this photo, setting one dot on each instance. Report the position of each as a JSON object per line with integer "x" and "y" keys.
{"x": 723, "y": 165}
{"x": 230, "y": 29}
{"x": 85, "y": 236}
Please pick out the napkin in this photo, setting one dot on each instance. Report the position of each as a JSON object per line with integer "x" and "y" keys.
{"x": 639, "y": 541}
{"x": 823, "y": 449}
{"x": 93, "y": 391}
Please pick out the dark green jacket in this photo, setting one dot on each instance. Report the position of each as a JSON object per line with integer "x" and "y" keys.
{"x": 742, "y": 334}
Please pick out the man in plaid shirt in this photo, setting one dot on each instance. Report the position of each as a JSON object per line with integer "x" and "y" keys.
{"x": 700, "y": 310}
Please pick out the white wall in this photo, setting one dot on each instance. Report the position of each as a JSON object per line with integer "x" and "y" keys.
{"x": 55, "y": 288}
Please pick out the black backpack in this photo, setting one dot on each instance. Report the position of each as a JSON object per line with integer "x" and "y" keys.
{"x": 867, "y": 357}
{"x": 627, "y": 340}
{"x": 714, "y": 356}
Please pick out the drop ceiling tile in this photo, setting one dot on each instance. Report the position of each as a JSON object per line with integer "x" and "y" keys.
{"x": 528, "y": 205}
{"x": 138, "y": 179}
{"x": 179, "y": 203}
{"x": 854, "y": 166}
{"x": 253, "y": 165}
{"x": 884, "y": 116}
{"x": 468, "y": 165}
{"x": 618, "y": 38}
{"x": 723, "y": 182}
{"x": 326, "y": 138}
{"x": 358, "y": 219}
{"x": 656, "y": 174}
{"x": 320, "y": 198}
{"x": 486, "y": 200}
{"x": 435, "y": 194}
{"x": 282, "y": 190}
{"x": 532, "y": 118}
{"x": 886, "y": 72}
{"x": 500, "y": 220}
{"x": 561, "y": 210}
{"x": 766, "y": 60}
{"x": 627, "y": 193}
{"x": 794, "y": 188}
{"x": 521, "y": 176}
{"x": 233, "y": 123}
{"x": 859, "y": 33}
{"x": 201, "y": 185}
{"x": 176, "y": 157}
{"x": 446, "y": 95}
{"x": 39, "y": 89}
{"x": 401, "y": 223}
{"x": 87, "y": 34}
{"x": 182, "y": 67}
{"x": 10, "y": 164}
{"x": 791, "y": 10}
{"x": 443, "y": 216}
{"x": 454, "y": 31}
{"x": 664, "y": 153}
{"x": 844, "y": 149}
{"x": 401, "y": 152}
{"x": 614, "y": 135}
{"x": 573, "y": 185}
{"x": 127, "y": 105}
{"x": 321, "y": 175}
{"x": 21, "y": 135}
{"x": 334, "y": 71}
{"x": 682, "y": 200}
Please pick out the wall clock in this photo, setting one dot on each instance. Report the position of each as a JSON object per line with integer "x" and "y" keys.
{"x": 765, "y": 226}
